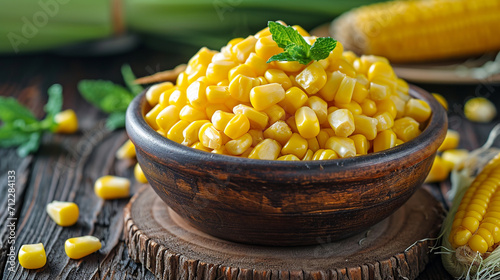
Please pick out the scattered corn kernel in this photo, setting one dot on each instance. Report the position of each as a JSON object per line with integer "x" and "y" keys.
{"x": 112, "y": 187}
{"x": 67, "y": 122}
{"x": 439, "y": 171}
{"x": 32, "y": 256}
{"x": 441, "y": 100}
{"x": 127, "y": 150}
{"x": 79, "y": 247}
{"x": 63, "y": 213}
{"x": 480, "y": 109}
{"x": 139, "y": 175}
{"x": 450, "y": 141}
{"x": 455, "y": 157}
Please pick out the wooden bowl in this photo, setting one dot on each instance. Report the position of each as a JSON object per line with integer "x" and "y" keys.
{"x": 279, "y": 202}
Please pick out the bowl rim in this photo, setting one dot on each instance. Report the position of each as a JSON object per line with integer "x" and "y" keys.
{"x": 403, "y": 155}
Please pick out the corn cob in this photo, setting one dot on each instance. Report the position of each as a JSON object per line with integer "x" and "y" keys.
{"x": 418, "y": 30}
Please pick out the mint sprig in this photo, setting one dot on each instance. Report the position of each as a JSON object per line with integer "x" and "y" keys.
{"x": 296, "y": 47}
{"x": 21, "y": 128}
{"x": 111, "y": 98}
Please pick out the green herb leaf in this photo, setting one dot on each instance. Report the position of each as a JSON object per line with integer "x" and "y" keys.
{"x": 115, "y": 120}
{"x": 12, "y": 137}
{"x": 54, "y": 104}
{"x": 31, "y": 145}
{"x": 11, "y": 110}
{"x": 295, "y": 46}
{"x": 129, "y": 78}
{"x": 105, "y": 95}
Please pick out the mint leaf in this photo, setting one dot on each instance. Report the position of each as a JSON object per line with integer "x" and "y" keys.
{"x": 105, "y": 95}
{"x": 322, "y": 48}
{"x": 115, "y": 120}
{"x": 11, "y": 110}
{"x": 295, "y": 46}
{"x": 129, "y": 78}
{"x": 31, "y": 145}
{"x": 11, "y": 137}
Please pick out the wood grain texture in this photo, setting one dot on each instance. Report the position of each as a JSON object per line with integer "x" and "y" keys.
{"x": 393, "y": 249}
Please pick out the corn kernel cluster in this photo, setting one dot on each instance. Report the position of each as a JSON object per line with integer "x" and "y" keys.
{"x": 232, "y": 102}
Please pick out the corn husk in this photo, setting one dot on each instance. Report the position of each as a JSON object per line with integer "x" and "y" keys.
{"x": 460, "y": 263}
{"x": 34, "y": 25}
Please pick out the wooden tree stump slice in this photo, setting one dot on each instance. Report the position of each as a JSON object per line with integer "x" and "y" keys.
{"x": 170, "y": 248}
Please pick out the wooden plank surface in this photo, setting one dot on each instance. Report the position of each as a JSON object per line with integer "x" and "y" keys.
{"x": 66, "y": 166}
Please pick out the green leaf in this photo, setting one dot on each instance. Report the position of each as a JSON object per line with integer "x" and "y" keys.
{"x": 286, "y": 36}
{"x": 54, "y": 104}
{"x": 129, "y": 78}
{"x": 115, "y": 120}
{"x": 105, "y": 95}
{"x": 12, "y": 137}
{"x": 11, "y": 110}
{"x": 322, "y": 48}
{"x": 31, "y": 145}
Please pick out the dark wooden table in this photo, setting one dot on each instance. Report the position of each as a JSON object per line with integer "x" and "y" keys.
{"x": 66, "y": 166}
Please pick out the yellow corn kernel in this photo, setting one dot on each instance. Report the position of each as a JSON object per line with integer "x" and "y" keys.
{"x": 278, "y": 76}
{"x": 257, "y": 136}
{"x": 242, "y": 69}
{"x": 139, "y": 174}
{"x": 237, "y": 126}
{"x": 289, "y": 66}
{"x": 313, "y": 144}
{"x": 268, "y": 149}
{"x": 153, "y": 93}
{"x": 220, "y": 119}
{"x": 378, "y": 92}
{"x": 349, "y": 56}
{"x": 400, "y": 105}
{"x": 312, "y": 78}
{"x": 209, "y": 136}
{"x": 439, "y": 171}
{"x": 385, "y": 140}
{"x": 182, "y": 81}
{"x": 178, "y": 98}
{"x": 493, "y": 229}
{"x": 352, "y": 106}
{"x": 258, "y": 120}
{"x": 191, "y": 114}
{"x": 361, "y": 143}
{"x": 417, "y": 109}
{"x": 294, "y": 99}
{"x": 345, "y": 91}
{"x": 275, "y": 113}
{"x": 223, "y": 83}
{"x": 342, "y": 65}
{"x": 480, "y": 109}
{"x": 176, "y": 132}
{"x": 441, "y": 100}
{"x": 450, "y": 141}
{"x": 322, "y": 137}
{"x": 385, "y": 121}
{"x": 289, "y": 157}
{"x": 112, "y": 187}
{"x": 219, "y": 70}
{"x": 279, "y": 131}
{"x": 127, "y": 150}
{"x": 221, "y": 151}
{"x": 67, "y": 122}
{"x": 150, "y": 117}
{"x": 455, "y": 157}
{"x": 360, "y": 92}
{"x": 257, "y": 63}
{"x": 167, "y": 117}
{"x": 79, "y": 247}
{"x": 32, "y": 256}
{"x": 239, "y": 145}
{"x": 406, "y": 128}
{"x": 240, "y": 87}
{"x": 63, "y": 213}
{"x": 343, "y": 146}
{"x": 387, "y": 105}
{"x": 191, "y": 132}
{"x": 212, "y": 108}
{"x": 291, "y": 123}
{"x": 202, "y": 57}
{"x": 319, "y": 106}
{"x": 342, "y": 122}
{"x": 296, "y": 145}
{"x": 333, "y": 81}
{"x": 366, "y": 126}
{"x": 380, "y": 68}
{"x": 264, "y": 96}
{"x": 309, "y": 155}
{"x": 369, "y": 107}
{"x": 243, "y": 48}
{"x": 267, "y": 47}
{"x": 199, "y": 146}
{"x": 325, "y": 154}
{"x": 336, "y": 53}
{"x": 196, "y": 94}
{"x": 165, "y": 97}
{"x": 217, "y": 94}
{"x": 307, "y": 122}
